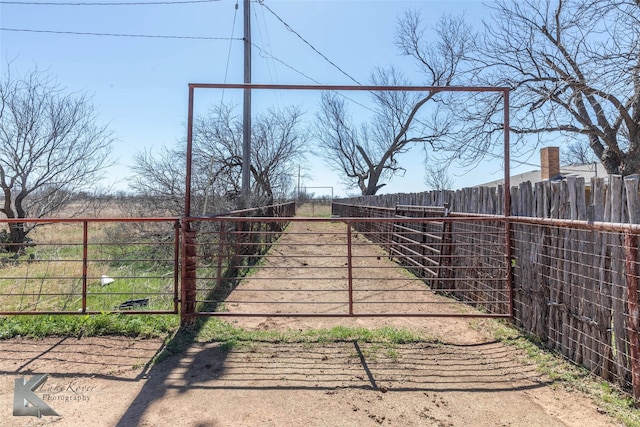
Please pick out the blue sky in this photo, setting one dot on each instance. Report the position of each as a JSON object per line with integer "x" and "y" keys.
{"x": 139, "y": 84}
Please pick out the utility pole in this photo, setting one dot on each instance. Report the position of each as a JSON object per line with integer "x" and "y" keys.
{"x": 298, "y": 195}
{"x": 246, "y": 110}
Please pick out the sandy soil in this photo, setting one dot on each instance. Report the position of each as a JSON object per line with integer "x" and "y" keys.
{"x": 465, "y": 379}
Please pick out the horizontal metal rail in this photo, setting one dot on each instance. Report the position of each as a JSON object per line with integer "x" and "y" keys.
{"x": 356, "y": 267}
{"x": 91, "y": 266}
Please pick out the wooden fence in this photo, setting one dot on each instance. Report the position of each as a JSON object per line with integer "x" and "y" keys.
{"x": 574, "y": 265}
{"x": 612, "y": 199}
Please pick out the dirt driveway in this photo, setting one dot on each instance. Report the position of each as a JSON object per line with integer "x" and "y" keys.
{"x": 465, "y": 378}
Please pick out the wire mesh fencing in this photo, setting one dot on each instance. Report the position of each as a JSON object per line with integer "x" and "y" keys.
{"x": 574, "y": 284}
{"x": 348, "y": 267}
{"x": 575, "y": 287}
{"x": 88, "y": 266}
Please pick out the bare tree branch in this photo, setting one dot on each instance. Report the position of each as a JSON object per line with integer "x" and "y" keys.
{"x": 277, "y": 150}
{"x": 51, "y": 148}
{"x": 574, "y": 70}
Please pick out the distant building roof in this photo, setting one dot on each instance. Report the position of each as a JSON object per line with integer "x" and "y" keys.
{"x": 586, "y": 171}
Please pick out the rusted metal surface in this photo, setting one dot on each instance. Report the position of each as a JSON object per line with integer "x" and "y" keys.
{"x": 188, "y": 285}
{"x": 189, "y": 154}
{"x": 576, "y": 224}
{"x": 350, "y": 268}
{"x": 368, "y": 88}
{"x": 85, "y": 257}
{"x": 92, "y": 266}
{"x": 338, "y": 267}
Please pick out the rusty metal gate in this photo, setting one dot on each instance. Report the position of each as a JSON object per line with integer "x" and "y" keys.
{"x": 347, "y": 266}
{"x": 91, "y": 266}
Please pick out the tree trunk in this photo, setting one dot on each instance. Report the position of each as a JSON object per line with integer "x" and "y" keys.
{"x": 631, "y": 162}
{"x": 17, "y": 237}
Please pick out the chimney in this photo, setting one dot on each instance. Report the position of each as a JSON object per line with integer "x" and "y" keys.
{"x": 549, "y": 163}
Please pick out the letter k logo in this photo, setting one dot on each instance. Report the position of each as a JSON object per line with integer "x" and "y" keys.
{"x": 23, "y": 396}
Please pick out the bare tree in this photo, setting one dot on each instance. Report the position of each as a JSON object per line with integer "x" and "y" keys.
{"x": 366, "y": 155}
{"x": 278, "y": 147}
{"x": 574, "y": 71}
{"x": 437, "y": 176}
{"x": 218, "y": 153}
{"x": 50, "y": 149}
{"x": 159, "y": 182}
{"x": 578, "y": 153}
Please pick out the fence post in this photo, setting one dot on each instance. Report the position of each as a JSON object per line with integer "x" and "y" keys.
{"x": 188, "y": 307}
{"x": 631, "y": 264}
{"x": 176, "y": 266}
{"x": 349, "y": 269}
{"x": 85, "y": 256}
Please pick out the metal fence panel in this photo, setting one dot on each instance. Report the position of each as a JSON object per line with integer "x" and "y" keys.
{"x": 90, "y": 266}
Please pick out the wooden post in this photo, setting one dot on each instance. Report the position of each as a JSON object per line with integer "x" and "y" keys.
{"x": 633, "y": 204}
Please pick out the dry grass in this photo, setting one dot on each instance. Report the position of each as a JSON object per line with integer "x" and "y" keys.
{"x": 314, "y": 209}
{"x": 49, "y": 275}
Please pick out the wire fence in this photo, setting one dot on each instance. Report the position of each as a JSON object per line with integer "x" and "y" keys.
{"x": 349, "y": 267}
{"x": 90, "y": 266}
{"x": 574, "y": 284}
{"x": 575, "y": 288}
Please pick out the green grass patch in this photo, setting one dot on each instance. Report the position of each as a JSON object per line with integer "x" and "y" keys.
{"x": 215, "y": 330}
{"x": 41, "y": 326}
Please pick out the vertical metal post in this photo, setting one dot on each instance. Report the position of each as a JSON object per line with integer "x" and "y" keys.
{"x": 85, "y": 256}
{"x": 176, "y": 266}
{"x": 187, "y": 254}
{"x": 189, "y": 267}
{"x": 633, "y": 324}
{"x": 349, "y": 269}
{"x": 507, "y": 203}
{"x": 187, "y": 190}
{"x": 507, "y": 155}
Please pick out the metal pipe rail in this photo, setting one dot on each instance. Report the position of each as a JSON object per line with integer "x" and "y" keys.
{"x": 348, "y": 267}
{"x": 91, "y": 266}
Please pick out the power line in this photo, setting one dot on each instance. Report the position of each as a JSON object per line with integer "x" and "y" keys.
{"x": 226, "y": 69}
{"x": 266, "y": 41}
{"x": 288, "y": 27}
{"x": 149, "y": 36}
{"x": 266, "y": 54}
{"x": 149, "y": 3}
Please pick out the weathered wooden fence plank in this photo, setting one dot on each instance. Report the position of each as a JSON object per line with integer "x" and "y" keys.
{"x": 631, "y": 192}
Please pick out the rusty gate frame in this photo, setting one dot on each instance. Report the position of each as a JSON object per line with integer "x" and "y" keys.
{"x": 188, "y": 245}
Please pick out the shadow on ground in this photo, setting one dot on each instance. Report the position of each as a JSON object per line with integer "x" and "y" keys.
{"x": 423, "y": 367}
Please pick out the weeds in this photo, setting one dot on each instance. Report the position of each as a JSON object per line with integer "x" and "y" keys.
{"x": 562, "y": 372}
{"x": 87, "y": 325}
